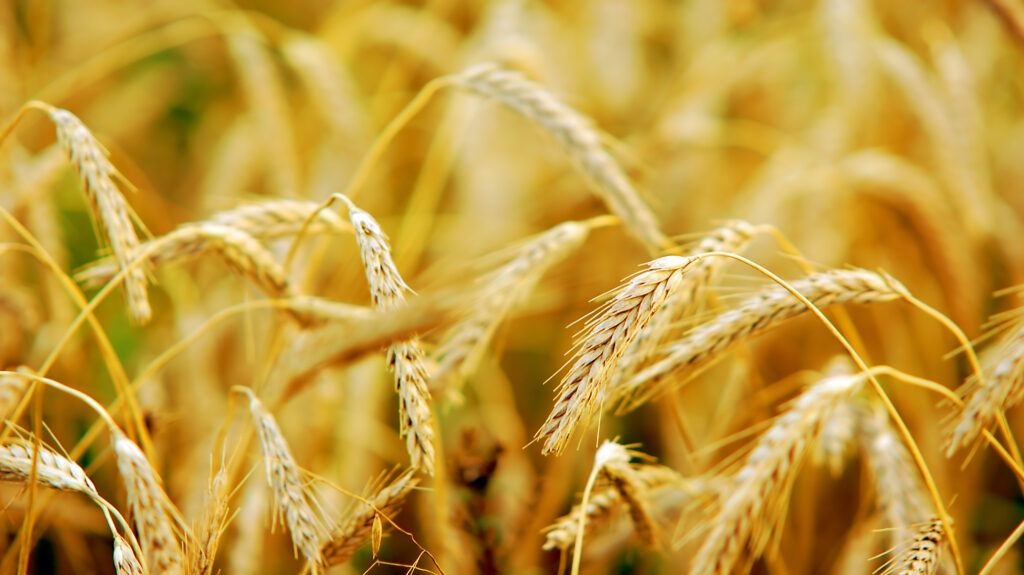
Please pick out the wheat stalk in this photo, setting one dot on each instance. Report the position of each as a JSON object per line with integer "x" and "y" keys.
{"x": 294, "y": 501}
{"x": 758, "y": 314}
{"x": 406, "y": 358}
{"x": 358, "y": 527}
{"x": 466, "y": 341}
{"x": 761, "y": 486}
{"x": 150, "y": 507}
{"x": 108, "y": 206}
{"x": 577, "y": 136}
{"x": 602, "y": 342}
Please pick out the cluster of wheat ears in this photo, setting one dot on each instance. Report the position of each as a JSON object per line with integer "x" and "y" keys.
{"x": 422, "y": 214}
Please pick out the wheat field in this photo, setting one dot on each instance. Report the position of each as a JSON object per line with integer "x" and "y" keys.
{"x": 511, "y": 286}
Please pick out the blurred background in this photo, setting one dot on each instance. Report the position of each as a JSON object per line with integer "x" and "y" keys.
{"x": 885, "y": 135}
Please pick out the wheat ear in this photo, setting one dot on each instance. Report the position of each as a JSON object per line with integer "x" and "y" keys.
{"x": 406, "y": 358}
{"x": 577, "y": 136}
{"x": 358, "y": 527}
{"x": 1001, "y": 389}
{"x": 603, "y": 503}
{"x": 211, "y": 526}
{"x": 106, "y": 202}
{"x": 761, "y": 487}
{"x": 52, "y": 470}
{"x": 125, "y": 561}
{"x": 922, "y": 557}
{"x": 901, "y": 496}
{"x": 602, "y": 342}
{"x": 466, "y": 341}
{"x": 150, "y": 507}
{"x": 262, "y": 221}
{"x": 294, "y": 501}
{"x": 237, "y": 248}
{"x": 758, "y": 314}
{"x": 732, "y": 237}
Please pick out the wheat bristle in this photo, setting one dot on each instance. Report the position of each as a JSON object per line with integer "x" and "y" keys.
{"x": 922, "y": 557}
{"x": 358, "y": 526}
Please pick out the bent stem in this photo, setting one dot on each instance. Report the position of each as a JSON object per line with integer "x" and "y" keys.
{"x": 893, "y": 413}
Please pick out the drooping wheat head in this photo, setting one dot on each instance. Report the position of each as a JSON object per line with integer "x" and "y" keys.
{"x": 295, "y": 503}
{"x": 406, "y": 359}
{"x": 577, "y": 136}
{"x": 151, "y": 508}
{"x": 761, "y": 487}
{"x": 758, "y": 314}
{"x": 600, "y": 345}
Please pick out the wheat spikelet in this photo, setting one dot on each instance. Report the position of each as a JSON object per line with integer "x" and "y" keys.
{"x": 626, "y": 481}
{"x": 107, "y": 204}
{"x": 266, "y": 220}
{"x": 125, "y": 561}
{"x": 579, "y": 138}
{"x": 238, "y": 249}
{"x": 467, "y": 340}
{"x": 294, "y": 502}
{"x": 358, "y": 527}
{"x": 922, "y": 557}
{"x": 732, "y": 237}
{"x": 901, "y": 496}
{"x": 761, "y": 486}
{"x": 602, "y": 342}
{"x": 151, "y": 509}
{"x": 211, "y": 526}
{"x": 754, "y": 316}
{"x": 405, "y": 359}
{"x": 603, "y": 502}
{"x": 52, "y": 470}
{"x": 1003, "y": 388}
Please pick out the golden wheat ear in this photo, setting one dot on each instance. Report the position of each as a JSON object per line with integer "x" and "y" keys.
{"x": 406, "y": 359}
{"x": 294, "y": 501}
{"x": 151, "y": 508}
{"x": 602, "y": 343}
{"x": 578, "y": 137}
{"x": 107, "y": 205}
